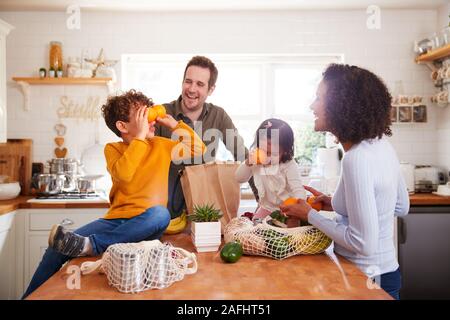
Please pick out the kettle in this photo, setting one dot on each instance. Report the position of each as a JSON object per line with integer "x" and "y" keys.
{"x": 408, "y": 174}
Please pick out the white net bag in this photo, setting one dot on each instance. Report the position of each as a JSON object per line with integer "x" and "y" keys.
{"x": 135, "y": 267}
{"x": 278, "y": 243}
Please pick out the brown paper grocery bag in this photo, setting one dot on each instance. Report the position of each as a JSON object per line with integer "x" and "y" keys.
{"x": 212, "y": 183}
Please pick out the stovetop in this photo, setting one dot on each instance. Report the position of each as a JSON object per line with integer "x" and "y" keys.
{"x": 70, "y": 195}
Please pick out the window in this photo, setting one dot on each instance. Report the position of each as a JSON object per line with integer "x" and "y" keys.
{"x": 251, "y": 88}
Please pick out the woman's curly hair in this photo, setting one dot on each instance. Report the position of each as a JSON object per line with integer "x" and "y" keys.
{"x": 117, "y": 108}
{"x": 357, "y": 103}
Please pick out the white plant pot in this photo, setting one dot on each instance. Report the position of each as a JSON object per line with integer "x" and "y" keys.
{"x": 206, "y": 236}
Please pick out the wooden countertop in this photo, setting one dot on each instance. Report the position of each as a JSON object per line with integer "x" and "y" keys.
{"x": 13, "y": 204}
{"x": 428, "y": 199}
{"x": 298, "y": 277}
{"x": 21, "y": 203}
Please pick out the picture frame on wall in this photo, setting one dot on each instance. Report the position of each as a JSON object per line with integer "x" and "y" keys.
{"x": 394, "y": 114}
{"x": 405, "y": 114}
{"x": 420, "y": 113}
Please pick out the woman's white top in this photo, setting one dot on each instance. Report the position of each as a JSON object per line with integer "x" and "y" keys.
{"x": 371, "y": 191}
{"x": 275, "y": 183}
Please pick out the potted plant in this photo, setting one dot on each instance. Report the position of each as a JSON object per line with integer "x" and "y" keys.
{"x": 51, "y": 72}
{"x": 59, "y": 72}
{"x": 42, "y": 73}
{"x": 206, "y": 227}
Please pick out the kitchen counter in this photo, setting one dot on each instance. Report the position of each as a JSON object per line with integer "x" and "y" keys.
{"x": 13, "y": 204}
{"x": 427, "y": 199}
{"x": 298, "y": 277}
{"x": 419, "y": 199}
{"x": 21, "y": 203}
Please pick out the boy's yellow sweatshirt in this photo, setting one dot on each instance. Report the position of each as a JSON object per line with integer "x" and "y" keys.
{"x": 140, "y": 170}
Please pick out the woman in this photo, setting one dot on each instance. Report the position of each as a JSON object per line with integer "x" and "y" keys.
{"x": 354, "y": 105}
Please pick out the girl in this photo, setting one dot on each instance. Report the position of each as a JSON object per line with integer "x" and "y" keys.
{"x": 277, "y": 178}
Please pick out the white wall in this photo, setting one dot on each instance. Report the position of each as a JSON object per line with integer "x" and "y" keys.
{"x": 387, "y": 52}
{"x": 443, "y": 125}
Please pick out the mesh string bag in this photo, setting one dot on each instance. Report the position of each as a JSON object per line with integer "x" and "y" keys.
{"x": 135, "y": 267}
{"x": 278, "y": 243}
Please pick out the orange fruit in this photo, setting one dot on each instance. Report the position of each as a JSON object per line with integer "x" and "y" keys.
{"x": 259, "y": 156}
{"x": 310, "y": 201}
{"x": 160, "y": 110}
{"x": 152, "y": 114}
{"x": 289, "y": 201}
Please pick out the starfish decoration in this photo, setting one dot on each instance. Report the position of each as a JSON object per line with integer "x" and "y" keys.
{"x": 100, "y": 61}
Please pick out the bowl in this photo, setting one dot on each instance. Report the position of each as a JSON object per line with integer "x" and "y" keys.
{"x": 443, "y": 190}
{"x": 9, "y": 190}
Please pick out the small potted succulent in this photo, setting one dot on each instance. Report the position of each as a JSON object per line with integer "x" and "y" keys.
{"x": 206, "y": 227}
{"x": 51, "y": 72}
{"x": 42, "y": 73}
{"x": 59, "y": 72}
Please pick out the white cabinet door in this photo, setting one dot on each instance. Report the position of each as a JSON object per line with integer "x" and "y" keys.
{"x": 38, "y": 243}
{"x": 39, "y": 223}
{"x": 7, "y": 257}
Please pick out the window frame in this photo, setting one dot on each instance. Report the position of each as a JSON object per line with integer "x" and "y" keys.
{"x": 267, "y": 62}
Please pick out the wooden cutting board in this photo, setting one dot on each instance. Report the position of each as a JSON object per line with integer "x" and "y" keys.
{"x": 10, "y": 165}
{"x": 16, "y": 162}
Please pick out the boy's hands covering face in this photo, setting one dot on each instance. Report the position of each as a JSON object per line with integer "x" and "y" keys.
{"x": 139, "y": 123}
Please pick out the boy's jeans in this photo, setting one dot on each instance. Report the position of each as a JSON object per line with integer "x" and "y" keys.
{"x": 102, "y": 233}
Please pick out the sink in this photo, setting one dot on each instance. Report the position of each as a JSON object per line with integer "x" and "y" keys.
{"x": 9, "y": 190}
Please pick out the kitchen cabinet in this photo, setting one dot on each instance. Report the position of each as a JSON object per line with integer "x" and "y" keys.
{"x": 37, "y": 225}
{"x": 7, "y": 256}
{"x": 424, "y": 252}
{"x": 5, "y": 28}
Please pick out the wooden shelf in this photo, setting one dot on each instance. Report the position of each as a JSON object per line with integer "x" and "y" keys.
{"x": 64, "y": 80}
{"x": 24, "y": 84}
{"x": 435, "y": 54}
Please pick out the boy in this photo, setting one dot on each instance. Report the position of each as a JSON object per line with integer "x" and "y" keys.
{"x": 139, "y": 168}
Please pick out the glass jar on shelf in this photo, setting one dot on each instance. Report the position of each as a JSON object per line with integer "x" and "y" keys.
{"x": 446, "y": 35}
{"x": 55, "y": 55}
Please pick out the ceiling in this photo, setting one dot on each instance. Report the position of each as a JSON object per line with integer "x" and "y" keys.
{"x": 195, "y": 5}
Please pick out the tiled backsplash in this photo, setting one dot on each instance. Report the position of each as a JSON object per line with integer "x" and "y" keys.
{"x": 387, "y": 52}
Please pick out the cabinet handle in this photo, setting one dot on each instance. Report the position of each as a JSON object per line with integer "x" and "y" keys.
{"x": 402, "y": 230}
{"x": 67, "y": 222}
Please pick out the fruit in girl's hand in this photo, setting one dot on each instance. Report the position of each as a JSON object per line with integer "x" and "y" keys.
{"x": 152, "y": 114}
{"x": 259, "y": 156}
{"x": 160, "y": 110}
{"x": 289, "y": 201}
{"x": 231, "y": 252}
{"x": 317, "y": 205}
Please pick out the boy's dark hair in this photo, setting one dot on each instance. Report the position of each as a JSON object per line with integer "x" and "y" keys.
{"x": 117, "y": 108}
{"x": 357, "y": 103}
{"x": 285, "y": 135}
{"x": 204, "y": 62}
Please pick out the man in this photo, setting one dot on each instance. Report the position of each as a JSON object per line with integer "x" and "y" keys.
{"x": 199, "y": 82}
